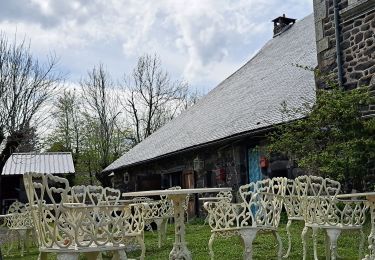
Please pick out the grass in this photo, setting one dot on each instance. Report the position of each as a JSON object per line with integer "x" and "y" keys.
{"x": 265, "y": 246}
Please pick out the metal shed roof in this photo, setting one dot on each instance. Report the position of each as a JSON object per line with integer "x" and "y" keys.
{"x": 54, "y": 163}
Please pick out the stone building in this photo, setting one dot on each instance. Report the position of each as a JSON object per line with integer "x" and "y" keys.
{"x": 345, "y": 35}
{"x": 220, "y": 141}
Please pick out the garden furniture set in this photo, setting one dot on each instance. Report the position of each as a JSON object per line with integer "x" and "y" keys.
{"x": 311, "y": 199}
{"x": 83, "y": 219}
{"x": 92, "y": 219}
{"x": 178, "y": 199}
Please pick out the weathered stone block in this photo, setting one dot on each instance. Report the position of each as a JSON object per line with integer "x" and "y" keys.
{"x": 369, "y": 51}
{"x": 358, "y": 38}
{"x": 346, "y": 44}
{"x": 320, "y": 10}
{"x": 328, "y": 26}
{"x": 369, "y": 42}
{"x": 349, "y": 58}
{"x": 365, "y": 81}
{"x": 347, "y": 27}
{"x": 365, "y": 65}
{"x": 351, "y": 2}
{"x": 331, "y": 53}
{"x": 368, "y": 34}
{"x": 351, "y": 85}
{"x": 357, "y": 23}
{"x": 346, "y": 36}
{"x": 355, "y": 31}
{"x": 369, "y": 17}
{"x": 322, "y": 45}
{"x": 372, "y": 82}
{"x": 319, "y": 34}
{"x": 363, "y": 60}
{"x": 356, "y": 75}
{"x": 365, "y": 27}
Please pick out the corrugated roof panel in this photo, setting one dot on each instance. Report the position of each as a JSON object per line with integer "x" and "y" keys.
{"x": 54, "y": 163}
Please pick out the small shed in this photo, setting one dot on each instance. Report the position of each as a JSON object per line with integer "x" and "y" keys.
{"x": 12, "y": 188}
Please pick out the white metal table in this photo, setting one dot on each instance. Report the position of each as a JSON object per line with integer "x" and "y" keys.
{"x": 179, "y": 250}
{"x": 370, "y": 197}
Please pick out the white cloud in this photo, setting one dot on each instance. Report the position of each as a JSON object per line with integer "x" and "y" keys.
{"x": 201, "y": 41}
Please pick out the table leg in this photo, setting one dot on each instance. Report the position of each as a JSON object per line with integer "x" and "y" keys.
{"x": 371, "y": 237}
{"x": 180, "y": 250}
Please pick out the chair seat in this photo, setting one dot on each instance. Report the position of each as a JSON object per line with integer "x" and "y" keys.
{"x": 328, "y": 226}
{"x": 82, "y": 249}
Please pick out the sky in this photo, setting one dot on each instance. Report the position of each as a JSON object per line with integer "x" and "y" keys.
{"x": 198, "y": 41}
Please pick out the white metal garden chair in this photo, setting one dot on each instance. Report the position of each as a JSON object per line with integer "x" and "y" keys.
{"x": 19, "y": 225}
{"x": 293, "y": 208}
{"x": 91, "y": 224}
{"x": 260, "y": 209}
{"x": 322, "y": 210}
{"x": 222, "y": 195}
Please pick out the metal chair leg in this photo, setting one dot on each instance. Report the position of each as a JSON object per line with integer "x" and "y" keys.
{"x": 67, "y": 256}
{"x": 210, "y": 243}
{"x": 333, "y": 235}
{"x": 280, "y": 245}
{"x": 303, "y": 237}
{"x": 289, "y": 238}
{"x": 361, "y": 243}
{"x": 315, "y": 242}
{"x": 248, "y": 236}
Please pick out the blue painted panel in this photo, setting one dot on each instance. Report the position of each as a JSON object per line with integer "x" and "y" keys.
{"x": 255, "y": 172}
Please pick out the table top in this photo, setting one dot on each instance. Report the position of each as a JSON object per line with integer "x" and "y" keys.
{"x": 350, "y": 195}
{"x": 174, "y": 192}
{"x": 210, "y": 198}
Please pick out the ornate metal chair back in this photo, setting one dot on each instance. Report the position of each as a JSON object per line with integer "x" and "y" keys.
{"x": 292, "y": 200}
{"x": 323, "y": 208}
{"x": 18, "y": 216}
{"x": 264, "y": 201}
{"x": 86, "y": 222}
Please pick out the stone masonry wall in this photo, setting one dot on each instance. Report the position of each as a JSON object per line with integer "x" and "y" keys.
{"x": 357, "y": 41}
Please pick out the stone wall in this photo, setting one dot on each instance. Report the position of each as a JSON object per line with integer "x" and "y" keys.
{"x": 357, "y": 41}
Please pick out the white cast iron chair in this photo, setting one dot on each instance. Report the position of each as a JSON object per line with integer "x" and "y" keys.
{"x": 260, "y": 210}
{"x": 293, "y": 208}
{"x": 322, "y": 210}
{"x": 91, "y": 224}
{"x": 19, "y": 224}
{"x": 222, "y": 195}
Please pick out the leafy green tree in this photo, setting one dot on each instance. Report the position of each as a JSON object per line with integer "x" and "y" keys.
{"x": 333, "y": 139}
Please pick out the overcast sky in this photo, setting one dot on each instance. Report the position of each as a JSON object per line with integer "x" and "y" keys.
{"x": 201, "y": 41}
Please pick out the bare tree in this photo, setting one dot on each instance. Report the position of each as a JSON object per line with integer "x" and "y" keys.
{"x": 101, "y": 103}
{"x": 152, "y": 98}
{"x": 25, "y": 86}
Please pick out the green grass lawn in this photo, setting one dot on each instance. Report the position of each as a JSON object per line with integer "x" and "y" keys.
{"x": 265, "y": 246}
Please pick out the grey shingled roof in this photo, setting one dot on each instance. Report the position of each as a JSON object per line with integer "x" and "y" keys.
{"x": 54, "y": 163}
{"x": 246, "y": 101}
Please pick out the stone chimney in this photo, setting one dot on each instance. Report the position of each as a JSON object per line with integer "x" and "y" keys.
{"x": 281, "y": 24}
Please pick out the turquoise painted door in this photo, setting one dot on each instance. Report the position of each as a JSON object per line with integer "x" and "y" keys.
{"x": 255, "y": 172}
